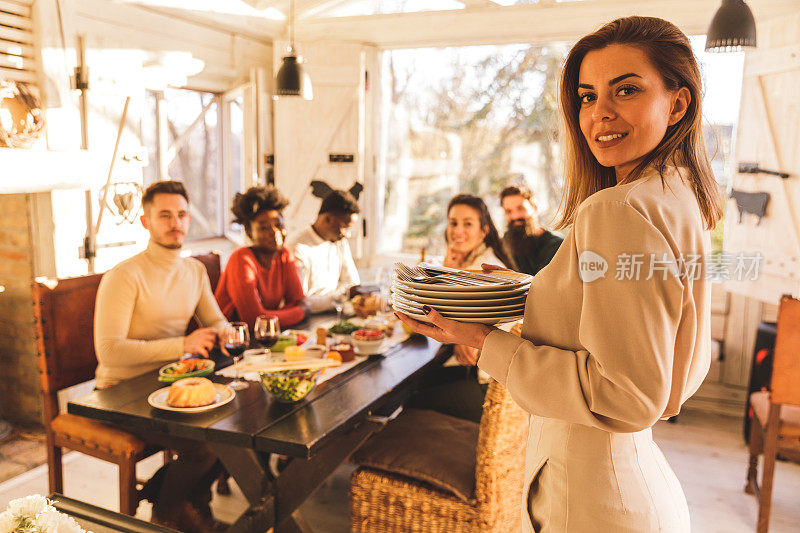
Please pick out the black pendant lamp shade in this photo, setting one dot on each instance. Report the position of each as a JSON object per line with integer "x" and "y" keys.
{"x": 732, "y": 27}
{"x": 292, "y": 79}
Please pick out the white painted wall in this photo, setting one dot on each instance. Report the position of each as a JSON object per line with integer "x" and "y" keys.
{"x": 306, "y": 132}
{"x": 123, "y": 43}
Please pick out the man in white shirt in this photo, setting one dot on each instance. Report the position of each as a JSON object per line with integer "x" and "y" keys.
{"x": 322, "y": 254}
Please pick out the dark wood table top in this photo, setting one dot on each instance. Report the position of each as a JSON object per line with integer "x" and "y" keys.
{"x": 255, "y": 420}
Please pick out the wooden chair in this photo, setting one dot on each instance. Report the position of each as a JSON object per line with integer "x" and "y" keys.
{"x": 381, "y": 501}
{"x": 211, "y": 261}
{"x": 776, "y": 424}
{"x": 64, "y": 311}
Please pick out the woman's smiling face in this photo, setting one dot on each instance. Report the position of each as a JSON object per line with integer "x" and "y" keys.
{"x": 625, "y": 106}
{"x": 464, "y": 232}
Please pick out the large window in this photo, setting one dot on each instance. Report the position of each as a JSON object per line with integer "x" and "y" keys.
{"x": 476, "y": 119}
{"x": 197, "y": 137}
{"x": 471, "y": 119}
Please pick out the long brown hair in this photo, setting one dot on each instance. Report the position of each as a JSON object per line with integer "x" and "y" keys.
{"x": 669, "y": 50}
{"x": 492, "y": 239}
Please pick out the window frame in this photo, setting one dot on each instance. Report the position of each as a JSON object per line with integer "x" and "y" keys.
{"x": 220, "y": 100}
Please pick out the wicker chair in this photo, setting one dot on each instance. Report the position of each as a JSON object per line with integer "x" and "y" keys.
{"x": 380, "y": 501}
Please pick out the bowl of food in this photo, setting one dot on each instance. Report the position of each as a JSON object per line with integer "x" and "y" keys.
{"x": 186, "y": 368}
{"x": 344, "y": 328}
{"x": 290, "y": 386}
{"x": 368, "y": 341}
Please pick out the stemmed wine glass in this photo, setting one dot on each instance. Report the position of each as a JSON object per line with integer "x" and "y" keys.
{"x": 339, "y": 299}
{"x": 236, "y": 338}
{"x": 266, "y": 331}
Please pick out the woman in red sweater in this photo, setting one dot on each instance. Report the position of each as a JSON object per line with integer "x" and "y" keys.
{"x": 261, "y": 279}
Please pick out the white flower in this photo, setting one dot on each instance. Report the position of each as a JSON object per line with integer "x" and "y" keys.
{"x": 48, "y": 520}
{"x": 52, "y": 521}
{"x": 35, "y": 514}
{"x": 7, "y": 522}
{"x": 29, "y": 506}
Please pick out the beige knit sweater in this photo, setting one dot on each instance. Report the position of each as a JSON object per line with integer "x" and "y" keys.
{"x": 616, "y": 354}
{"x": 144, "y": 305}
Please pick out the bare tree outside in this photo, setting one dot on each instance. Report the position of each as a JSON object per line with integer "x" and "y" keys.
{"x": 473, "y": 119}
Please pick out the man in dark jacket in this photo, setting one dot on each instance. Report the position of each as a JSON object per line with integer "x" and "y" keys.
{"x": 531, "y": 246}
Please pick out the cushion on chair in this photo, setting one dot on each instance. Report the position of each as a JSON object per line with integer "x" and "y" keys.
{"x": 428, "y": 446}
{"x": 87, "y": 432}
{"x": 790, "y": 414}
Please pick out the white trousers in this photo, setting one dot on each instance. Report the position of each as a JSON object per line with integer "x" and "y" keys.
{"x": 582, "y": 479}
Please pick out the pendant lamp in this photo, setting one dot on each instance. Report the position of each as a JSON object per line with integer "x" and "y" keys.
{"x": 732, "y": 28}
{"x": 292, "y": 79}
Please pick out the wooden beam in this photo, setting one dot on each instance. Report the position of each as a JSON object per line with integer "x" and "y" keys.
{"x": 312, "y": 8}
{"x": 477, "y": 3}
{"x": 526, "y": 23}
{"x": 257, "y": 28}
{"x": 772, "y": 61}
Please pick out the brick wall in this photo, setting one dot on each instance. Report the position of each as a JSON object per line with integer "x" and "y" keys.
{"x": 20, "y": 399}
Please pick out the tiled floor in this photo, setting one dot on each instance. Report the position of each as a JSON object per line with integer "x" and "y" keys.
{"x": 21, "y": 451}
{"x": 706, "y": 451}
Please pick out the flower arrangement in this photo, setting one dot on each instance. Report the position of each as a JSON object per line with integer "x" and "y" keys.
{"x": 35, "y": 514}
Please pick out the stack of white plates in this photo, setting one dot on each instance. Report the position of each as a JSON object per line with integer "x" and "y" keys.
{"x": 486, "y": 304}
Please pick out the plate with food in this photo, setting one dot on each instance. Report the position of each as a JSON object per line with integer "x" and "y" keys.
{"x": 300, "y": 335}
{"x": 185, "y": 368}
{"x": 191, "y": 395}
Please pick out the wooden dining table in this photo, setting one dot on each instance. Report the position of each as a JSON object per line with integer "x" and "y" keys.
{"x": 319, "y": 433}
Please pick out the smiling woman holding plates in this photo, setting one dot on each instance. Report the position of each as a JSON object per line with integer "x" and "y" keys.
{"x": 616, "y": 331}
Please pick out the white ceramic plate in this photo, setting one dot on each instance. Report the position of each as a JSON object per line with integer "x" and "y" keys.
{"x": 460, "y": 308}
{"x": 483, "y": 320}
{"x": 460, "y": 295}
{"x": 463, "y": 288}
{"x": 158, "y": 399}
{"x": 476, "y": 302}
{"x": 464, "y": 314}
{"x": 520, "y": 277}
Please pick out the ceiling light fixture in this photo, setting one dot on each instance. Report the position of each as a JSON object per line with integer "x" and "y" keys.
{"x": 732, "y": 28}
{"x": 292, "y": 79}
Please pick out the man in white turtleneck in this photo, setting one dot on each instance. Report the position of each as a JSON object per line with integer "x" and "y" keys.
{"x": 144, "y": 305}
